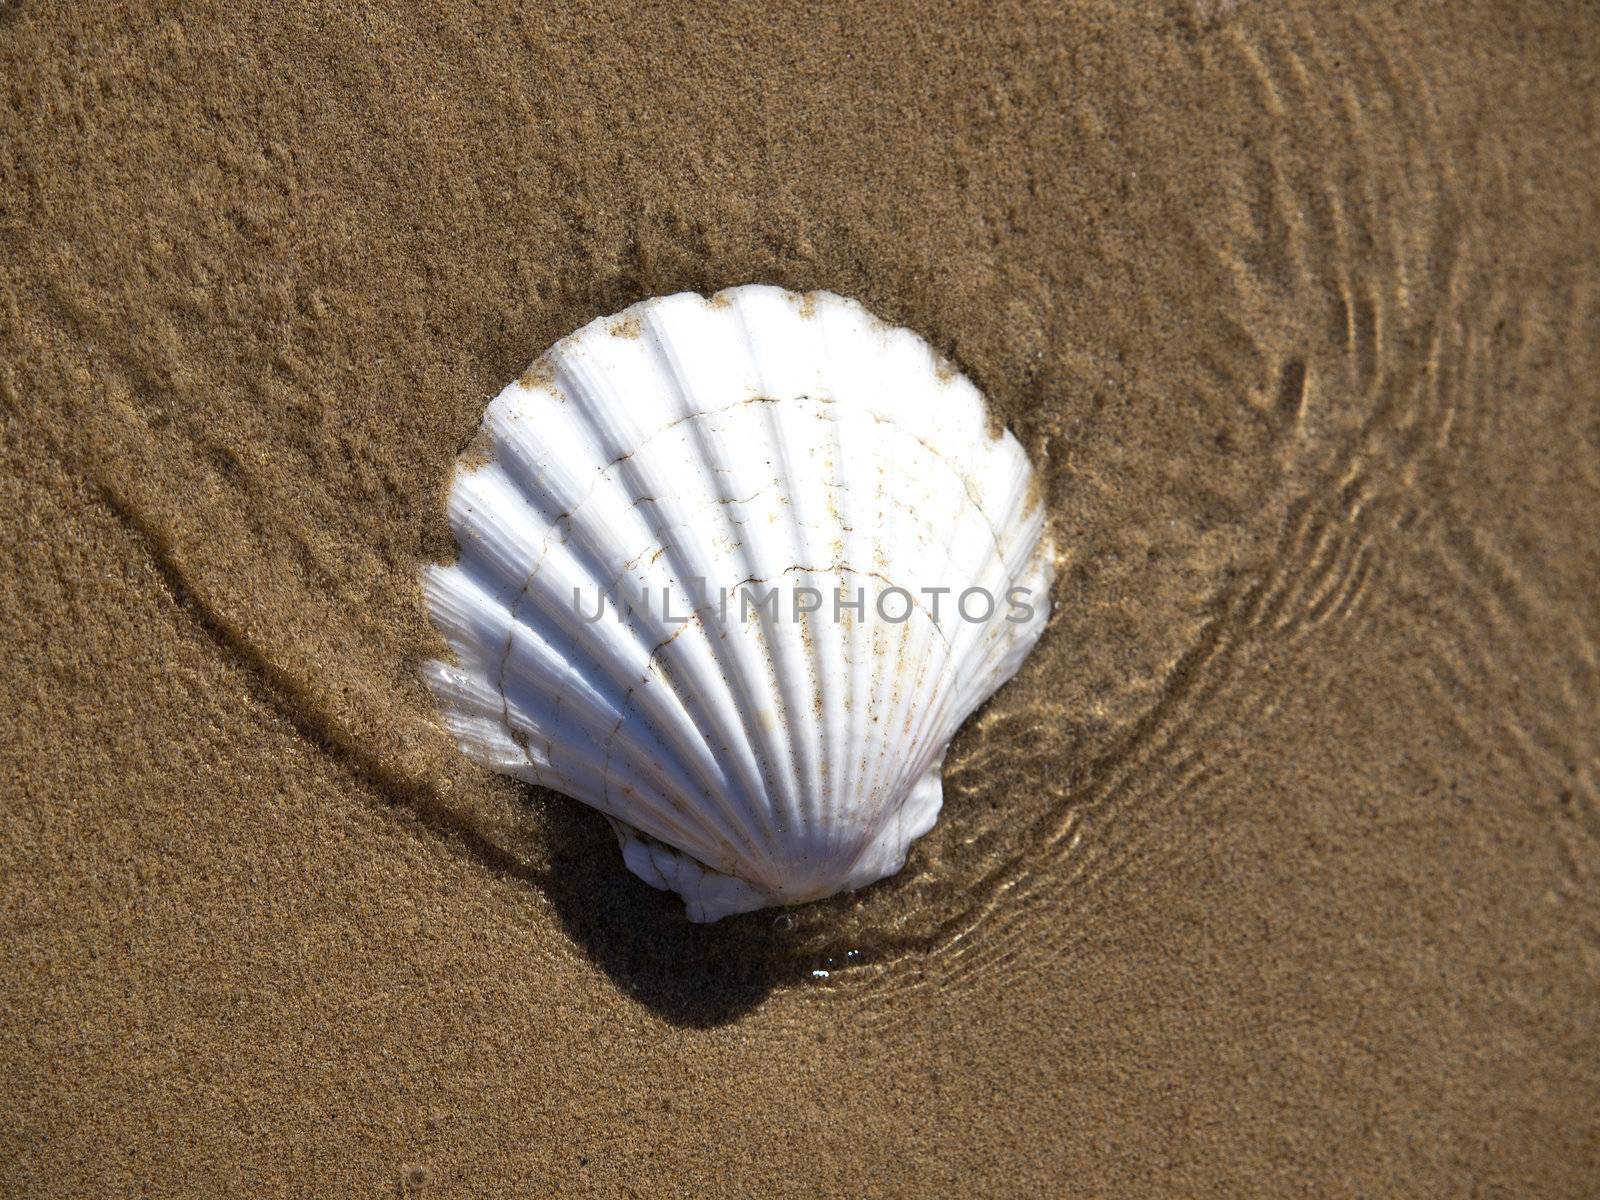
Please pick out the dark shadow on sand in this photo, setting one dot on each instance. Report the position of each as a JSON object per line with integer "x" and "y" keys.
{"x": 696, "y": 976}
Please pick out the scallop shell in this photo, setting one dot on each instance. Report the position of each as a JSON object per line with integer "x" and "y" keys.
{"x": 763, "y": 443}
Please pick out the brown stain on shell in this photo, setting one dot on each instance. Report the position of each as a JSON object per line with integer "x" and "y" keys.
{"x": 478, "y": 453}
{"x": 541, "y": 373}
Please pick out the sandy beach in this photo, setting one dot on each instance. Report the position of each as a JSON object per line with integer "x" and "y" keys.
{"x": 1276, "y": 870}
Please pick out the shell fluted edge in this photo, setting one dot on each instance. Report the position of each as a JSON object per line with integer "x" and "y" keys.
{"x": 630, "y": 509}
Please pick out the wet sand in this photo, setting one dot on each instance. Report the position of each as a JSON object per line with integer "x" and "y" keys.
{"x": 1274, "y": 872}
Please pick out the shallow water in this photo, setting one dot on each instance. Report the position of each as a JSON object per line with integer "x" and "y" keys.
{"x": 1285, "y": 837}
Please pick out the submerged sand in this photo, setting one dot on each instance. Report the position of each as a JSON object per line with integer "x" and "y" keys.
{"x": 1273, "y": 873}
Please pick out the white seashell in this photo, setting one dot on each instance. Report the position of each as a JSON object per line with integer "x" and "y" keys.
{"x": 760, "y": 438}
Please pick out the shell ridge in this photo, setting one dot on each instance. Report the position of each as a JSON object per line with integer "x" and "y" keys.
{"x": 901, "y": 642}
{"x": 743, "y": 702}
{"x": 982, "y": 676}
{"x": 937, "y": 710}
{"x": 672, "y": 722}
{"x": 836, "y": 728}
{"x": 770, "y": 728}
{"x": 924, "y": 694}
{"x": 625, "y": 460}
{"x": 945, "y": 460}
{"x": 741, "y": 763}
{"x": 572, "y": 519}
{"x": 862, "y": 548}
{"x": 531, "y": 608}
{"x": 891, "y": 644}
{"x": 552, "y": 693}
{"x": 986, "y": 640}
{"x": 702, "y": 427}
{"x": 801, "y": 772}
{"x": 535, "y": 621}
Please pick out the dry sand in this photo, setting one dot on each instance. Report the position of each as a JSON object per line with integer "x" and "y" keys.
{"x": 1275, "y": 871}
